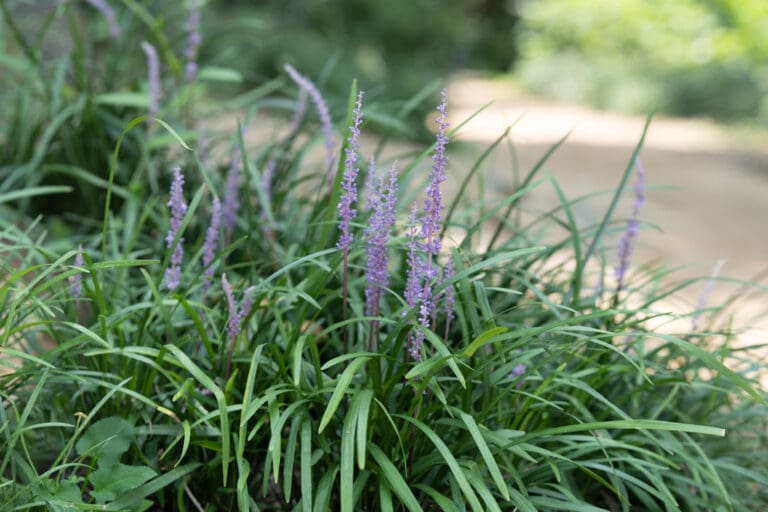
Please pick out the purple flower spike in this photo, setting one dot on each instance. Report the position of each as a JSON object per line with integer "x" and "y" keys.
{"x": 236, "y": 314}
{"x": 380, "y": 225}
{"x": 76, "y": 280}
{"x": 109, "y": 14}
{"x": 413, "y": 279}
{"x": 211, "y": 239}
{"x": 349, "y": 180}
{"x": 192, "y": 26}
{"x": 433, "y": 203}
{"x": 633, "y": 226}
{"x": 178, "y": 209}
{"x": 231, "y": 203}
{"x": 299, "y": 111}
{"x": 413, "y": 284}
{"x": 153, "y": 72}
{"x": 233, "y": 323}
{"x": 322, "y": 110}
{"x": 247, "y": 303}
{"x": 701, "y": 303}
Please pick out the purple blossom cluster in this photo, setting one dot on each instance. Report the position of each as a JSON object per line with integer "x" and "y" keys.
{"x": 421, "y": 274}
{"x": 349, "y": 179}
{"x": 633, "y": 226}
{"x": 382, "y": 204}
{"x": 326, "y": 125}
{"x": 231, "y": 203}
{"x": 153, "y": 78}
{"x": 178, "y": 208}
{"x": 192, "y": 27}
{"x": 236, "y": 314}
{"x": 211, "y": 240}
{"x": 109, "y": 14}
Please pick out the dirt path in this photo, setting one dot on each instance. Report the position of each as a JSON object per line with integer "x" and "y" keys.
{"x": 707, "y": 196}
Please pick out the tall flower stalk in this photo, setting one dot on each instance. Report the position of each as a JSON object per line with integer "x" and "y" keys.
{"x": 178, "y": 208}
{"x": 211, "y": 240}
{"x": 382, "y": 204}
{"x": 422, "y": 274}
{"x": 231, "y": 202}
{"x": 348, "y": 197}
{"x": 326, "y": 125}
{"x": 633, "y": 227}
{"x": 236, "y": 315}
{"x": 76, "y": 280}
{"x": 109, "y": 14}
{"x": 192, "y": 27}
{"x": 153, "y": 79}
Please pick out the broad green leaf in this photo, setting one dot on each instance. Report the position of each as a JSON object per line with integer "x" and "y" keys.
{"x": 106, "y": 440}
{"x": 111, "y": 482}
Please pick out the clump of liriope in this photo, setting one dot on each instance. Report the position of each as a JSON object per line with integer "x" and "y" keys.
{"x": 166, "y": 391}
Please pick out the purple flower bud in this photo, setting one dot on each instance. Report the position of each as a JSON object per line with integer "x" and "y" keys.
{"x": 518, "y": 371}
{"x": 322, "y": 110}
{"x": 633, "y": 226}
{"x": 75, "y": 280}
{"x": 211, "y": 239}
{"x": 192, "y": 26}
{"x": 109, "y": 14}
{"x": 153, "y": 73}
{"x": 178, "y": 209}
{"x": 349, "y": 180}
{"x": 433, "y": 203}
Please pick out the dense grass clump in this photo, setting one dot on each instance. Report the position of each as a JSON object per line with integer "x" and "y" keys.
{"x": 267, "y": 330}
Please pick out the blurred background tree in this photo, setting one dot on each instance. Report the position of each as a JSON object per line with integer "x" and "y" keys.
{"x": 395, "y": 48}
{"x": 681, "y": 57}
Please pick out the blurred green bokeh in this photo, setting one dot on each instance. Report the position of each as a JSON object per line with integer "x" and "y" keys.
{"x": 683, "y": 57}
{"x": 393, "y": 47}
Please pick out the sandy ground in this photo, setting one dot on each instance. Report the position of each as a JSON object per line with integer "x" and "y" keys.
{"x": 706, "y": 197}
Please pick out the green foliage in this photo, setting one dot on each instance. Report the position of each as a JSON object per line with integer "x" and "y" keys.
{"x": 134, "y": 397}
{"x": 685, "y": 57}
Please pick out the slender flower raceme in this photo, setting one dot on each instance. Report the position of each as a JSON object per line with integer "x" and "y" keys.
{"x": 349, "y": 180}
{"x": 348, "y": 197}
{"x": 633, "y": 226}
{"x": 178, "y": 209}
{"x": 322, "y": 110}
{"x": 706, "y": 293}
{"x": 413, "y": 288}
{"x": 231, "y": 203}
{"x": 431, "y": 227}
{"x": 382, "y": 218}
{"x": 192, "y": 27}
{"x": 236, "y": 315}
{"x": 76, "y": 280}
{"x": 299, "y": 111}
{"x": 153, "y": 77}
{"x": 211, "y": 240}
{"x": 109, "y": 14}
